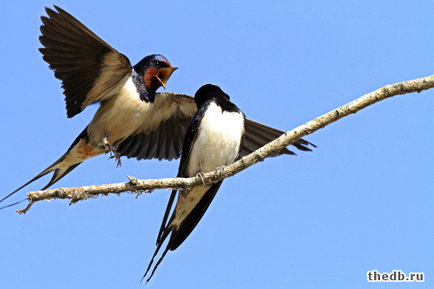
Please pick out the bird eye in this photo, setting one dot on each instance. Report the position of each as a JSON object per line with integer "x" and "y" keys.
{"x": 157, "y": 64}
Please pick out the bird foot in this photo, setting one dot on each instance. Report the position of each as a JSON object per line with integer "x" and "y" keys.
{"x": 200, "y": 176}
{"x": 220, "y": 170}
{"x": 114, "y": 154}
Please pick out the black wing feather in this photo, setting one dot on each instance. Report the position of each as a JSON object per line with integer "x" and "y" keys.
{"x": 78, "y": 57}
{"x": 174, "y": 129}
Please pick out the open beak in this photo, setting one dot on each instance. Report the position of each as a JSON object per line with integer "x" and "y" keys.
{"x": 164, "y": 74}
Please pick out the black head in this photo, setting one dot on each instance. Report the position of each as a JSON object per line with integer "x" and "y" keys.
{"x": 155, "y": 70}
{"x": 154, "y": 61}
{"x": 207, "y": 92}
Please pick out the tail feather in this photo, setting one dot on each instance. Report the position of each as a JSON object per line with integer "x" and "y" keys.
{"x": 162, "y": 234}
{"x": 59, "y": 169}
{"x": 58, "y": 174}
{"x": 156, "y": 265}
{"x": 13, "y": 204}
{"x": 178, "y": 233}
{"x": 43, "y": 173}
{"x": 163, "y": 237}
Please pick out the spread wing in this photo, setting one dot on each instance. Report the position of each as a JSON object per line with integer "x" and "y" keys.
{"x": 162, "y": 136}
{"x": 165, "y": 139}
{"x": 89, "y": 68}
{"x": 257, "y": 135}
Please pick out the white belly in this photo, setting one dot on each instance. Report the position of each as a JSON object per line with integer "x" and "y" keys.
{"x": 217, "y": 144}
{"x": 219, "y": 139}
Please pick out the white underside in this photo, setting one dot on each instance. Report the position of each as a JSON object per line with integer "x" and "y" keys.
{"x": 218, "y": 140}
{"x": 217, "y": 144}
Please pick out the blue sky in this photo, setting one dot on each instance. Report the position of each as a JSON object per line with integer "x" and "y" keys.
{"x": 361, "y": 201}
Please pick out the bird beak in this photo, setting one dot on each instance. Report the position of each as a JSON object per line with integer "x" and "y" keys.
{"x": 164, "y": 74}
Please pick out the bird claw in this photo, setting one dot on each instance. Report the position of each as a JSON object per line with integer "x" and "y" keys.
{"x": 220, "y": 170}
{"x": 114, "y": 154}
{"x": 200, "y": 176}
{"x": 117, "y": 156}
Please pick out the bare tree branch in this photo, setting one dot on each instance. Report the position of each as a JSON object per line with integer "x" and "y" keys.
{"x": 183, "y": 184}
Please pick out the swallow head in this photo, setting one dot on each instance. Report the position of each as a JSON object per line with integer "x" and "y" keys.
{"x": 207, "y": 92}
{"x": 155, "y": 70}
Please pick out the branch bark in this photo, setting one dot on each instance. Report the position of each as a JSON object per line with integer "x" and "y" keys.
{"x": 140, "y": 186}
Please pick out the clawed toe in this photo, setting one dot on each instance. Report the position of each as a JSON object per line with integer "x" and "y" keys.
{"x": 200, "y": 176}
{"x": 114, "y": 154}
{"x": 220, "y": 170}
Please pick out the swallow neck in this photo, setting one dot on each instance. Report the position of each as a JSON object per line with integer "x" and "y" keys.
{"x": 144, "y": 92}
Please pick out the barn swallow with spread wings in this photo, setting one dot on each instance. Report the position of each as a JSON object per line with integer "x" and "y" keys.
{"x": 214, "y": 139}
{"x": 132, "y": 120}
{"x": 92, "y": 71}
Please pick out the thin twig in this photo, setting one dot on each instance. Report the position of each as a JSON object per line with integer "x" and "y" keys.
{"x": 139, "y": 186}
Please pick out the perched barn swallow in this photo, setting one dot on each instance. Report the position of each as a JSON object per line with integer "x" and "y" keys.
{"x": 132, "y": 120}
{"x": 214, "y": 139}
